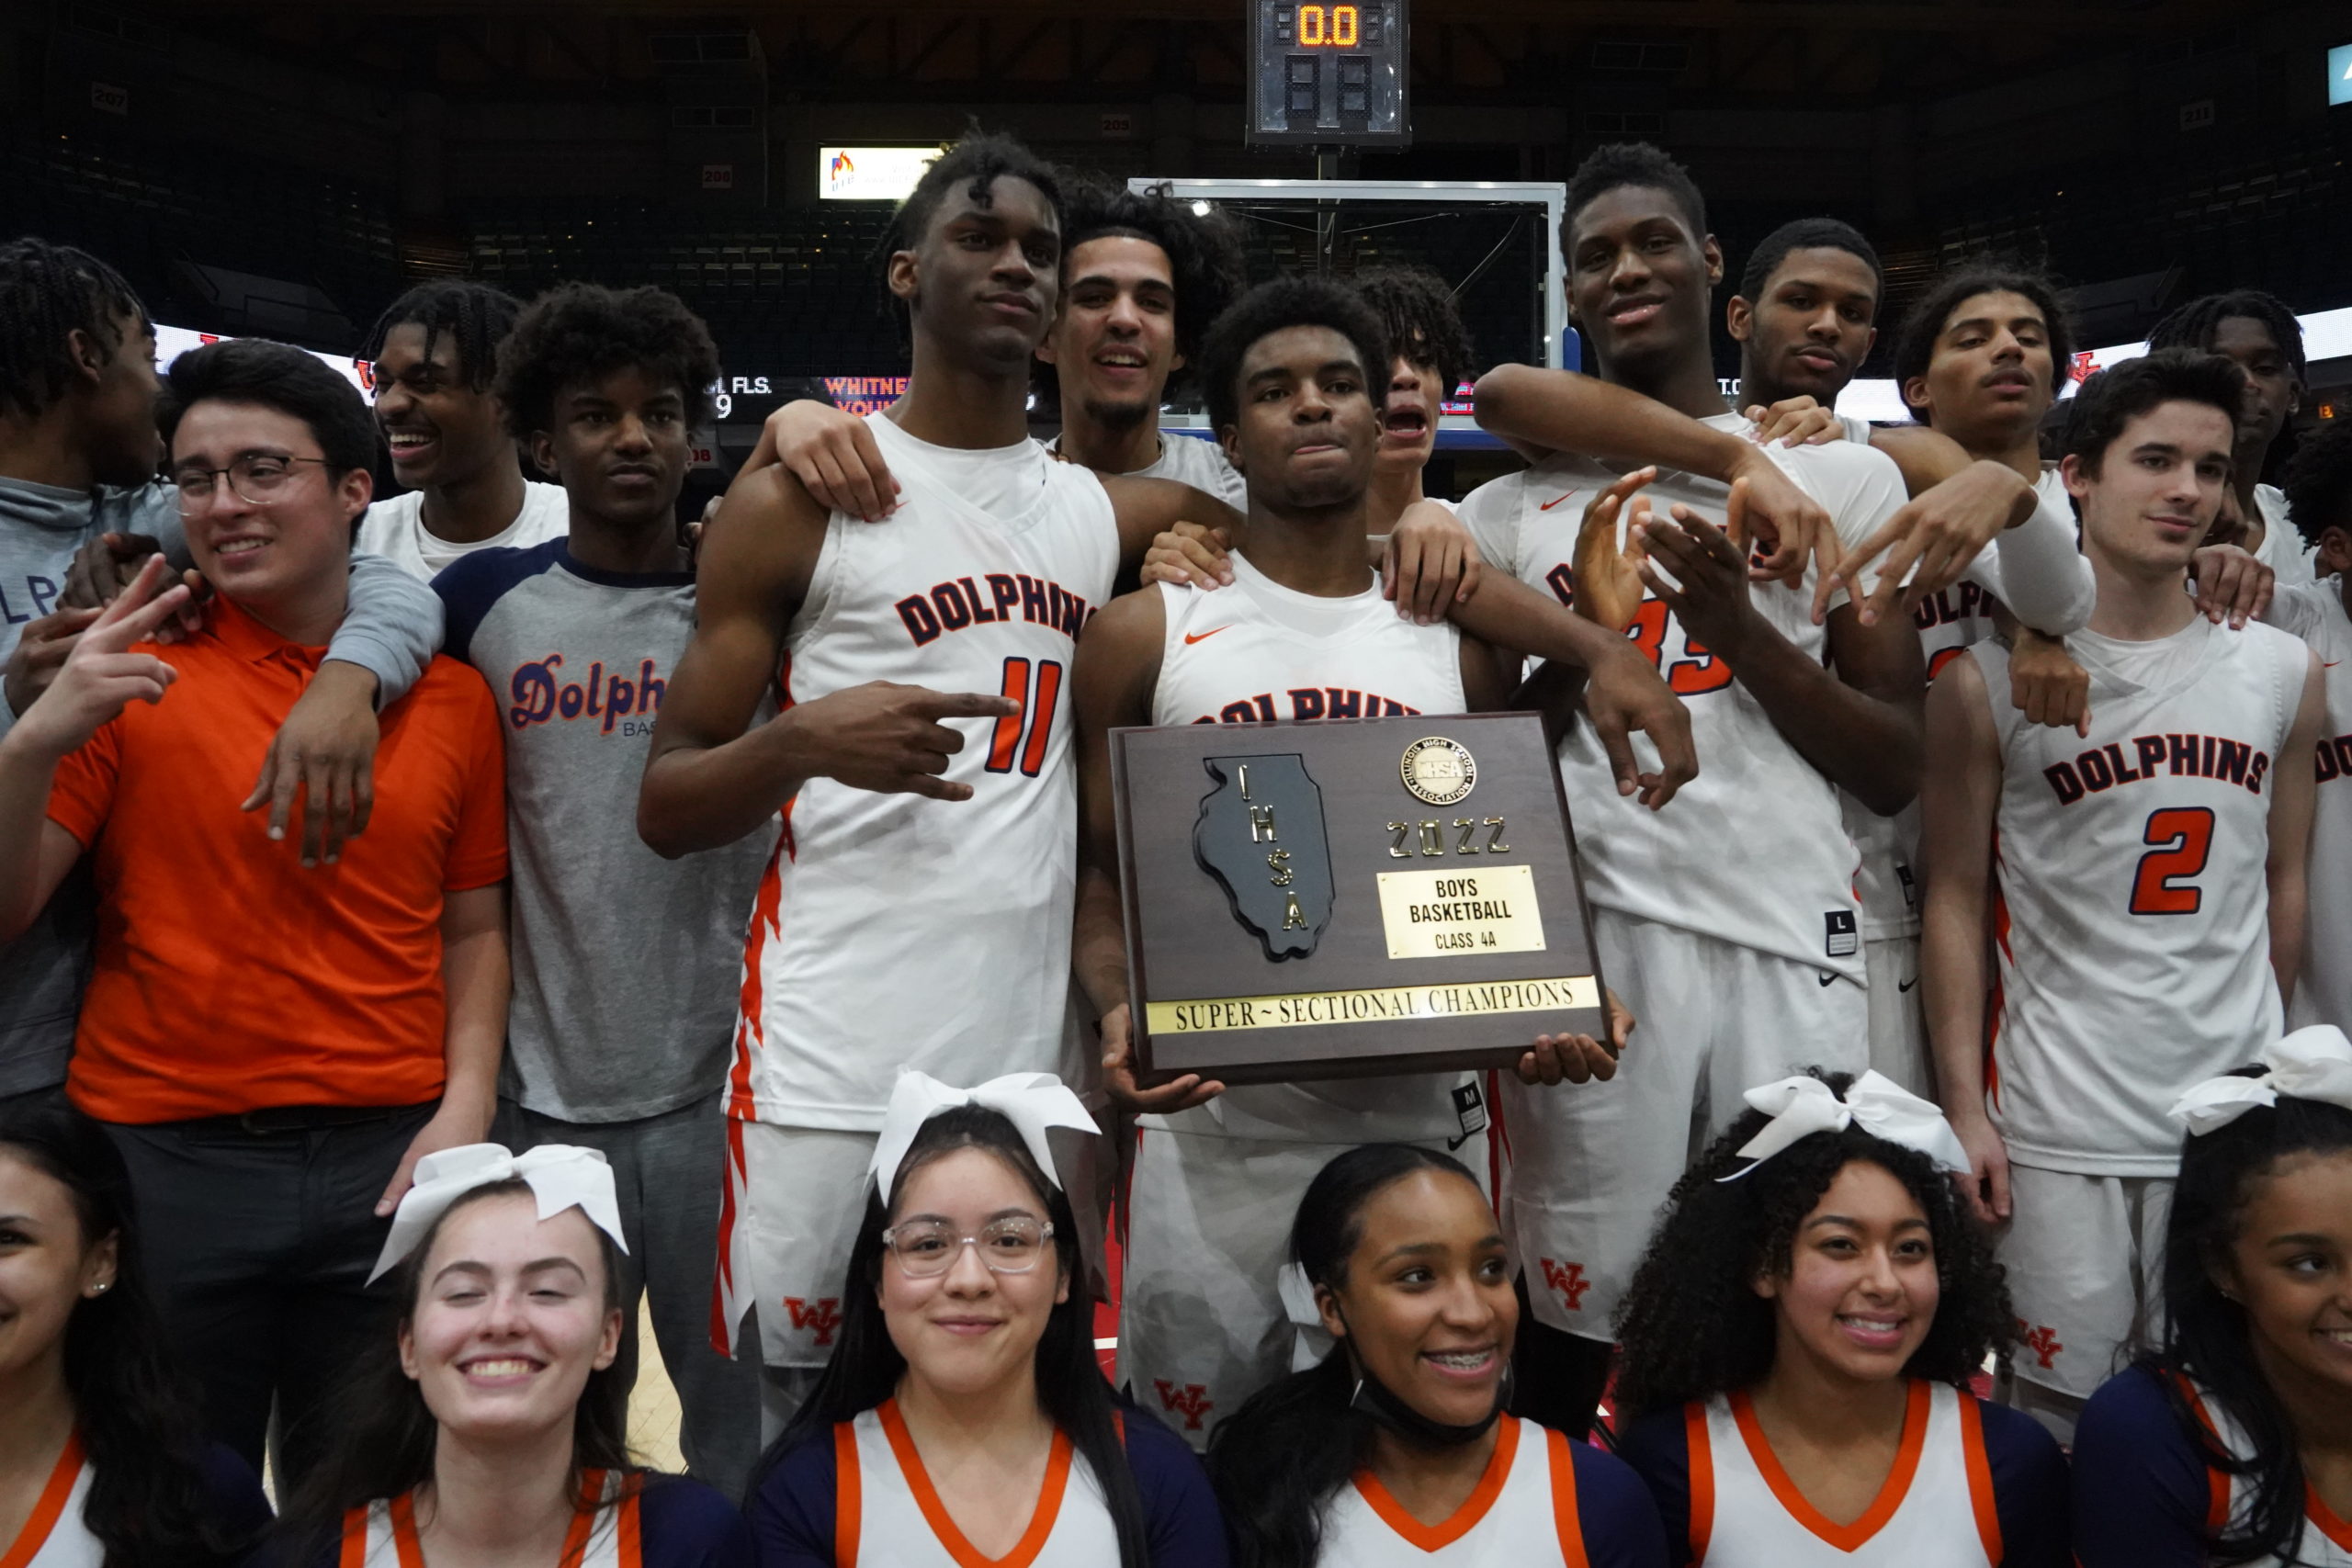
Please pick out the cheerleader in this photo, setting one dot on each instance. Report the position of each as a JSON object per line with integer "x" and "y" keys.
{"x": 1394, "y": 1449}
{"x": 2231, "y": 1443}
{"x": 100, "y": 1460}
{"x": 962, "y": 1418}
{"x": 1797, "y": 1344}
{"x": 493, "y": 1429}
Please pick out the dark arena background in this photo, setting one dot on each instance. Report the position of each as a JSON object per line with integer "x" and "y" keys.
{"x": 261, "y": 166}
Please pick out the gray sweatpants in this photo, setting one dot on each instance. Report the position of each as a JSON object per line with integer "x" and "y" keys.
{"x": 669, "y": 1171}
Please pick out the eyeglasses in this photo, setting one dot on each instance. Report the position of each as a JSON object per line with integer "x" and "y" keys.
{"x": 258, "y": 478}
{"x": 927, "y": 1249}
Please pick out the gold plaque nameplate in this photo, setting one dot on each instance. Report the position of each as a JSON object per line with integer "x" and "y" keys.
{"x": 1459, "y": 913}
{"x": 1300, "y": 1009}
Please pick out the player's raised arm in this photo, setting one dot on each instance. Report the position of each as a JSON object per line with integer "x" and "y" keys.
{"x": 1111, "y": 681}
{"x": 1562, "y": 410}
{"x": 2294, "y": 790}
{"x": 1957, "y": 800}
{"x": 1148, "y": 509}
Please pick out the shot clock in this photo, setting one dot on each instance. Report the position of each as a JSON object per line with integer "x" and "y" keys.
{"x": 1329, "y": 76}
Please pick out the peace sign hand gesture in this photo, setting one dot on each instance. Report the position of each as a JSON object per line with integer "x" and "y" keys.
{"x": 100, "y": 677}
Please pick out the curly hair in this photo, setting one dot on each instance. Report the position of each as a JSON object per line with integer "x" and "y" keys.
{"x": 1416, "y": 307}
{"x": 47, "y": 293}
{"x": 1268, "y": 309}
{"x": 1805, "y": 234}
{"x": 476, "y": 316}
{"x": 2318, "y": 482}
{"x": 1204, "y": 257}
{"x": 1691, "y": 1324}
{"x": 1915, "y": 341}
{"x": 2116, "y": 395}
{"x": 2194, "y": 324}
{"x": 581, "y": 333}
{"x": 1622, "y": 163}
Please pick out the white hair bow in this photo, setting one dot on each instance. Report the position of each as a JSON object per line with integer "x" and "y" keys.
{"x": 1801, "y": 1107}
{"x": 1031, "y": 1101}
{"x": 560, "y": 1175}
{"x": 2309, "y": 1064}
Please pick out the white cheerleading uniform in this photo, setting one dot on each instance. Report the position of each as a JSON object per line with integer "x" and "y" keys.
{"x": 2130, "y": 928}
{"x": 895, "y": 930}
{"x": 55, "y": 1536}
{"x": 1728, "y": 923}
{"x": 2327, "y": 1540}
{"x": 1216, "y": 1187}
{"x": 1937, "y": 1505}
{"x": 1521, "y": 1515}
{"x": 383, "y": 1534}
{"x": 888, "y": 1514}
{"x": 2315, "y": 612}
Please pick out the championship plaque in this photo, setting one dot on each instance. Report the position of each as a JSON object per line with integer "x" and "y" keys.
{"x": 1348, "y": 898}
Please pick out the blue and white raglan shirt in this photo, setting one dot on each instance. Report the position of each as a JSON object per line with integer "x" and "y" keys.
{"x": 2145, "y": 1495}
{"x": 626, "y": 965}
{"x": 1984, "y": 1483}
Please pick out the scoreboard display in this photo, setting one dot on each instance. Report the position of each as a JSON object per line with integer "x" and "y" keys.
{"x": 1329, "y": 76}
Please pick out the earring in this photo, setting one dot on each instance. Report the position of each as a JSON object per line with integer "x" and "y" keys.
{"x": 101, "y": 1288}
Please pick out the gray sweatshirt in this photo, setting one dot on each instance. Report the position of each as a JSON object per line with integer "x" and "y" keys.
{"x": 391, "y": 629}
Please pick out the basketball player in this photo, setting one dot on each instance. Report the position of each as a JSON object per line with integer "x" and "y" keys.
{"x": 2318, "y": 488}
{"x": 1732, "y": 930}
{"x": 1142, "y": 278}
{"x": 2260, "y": 335}
{"x": 905, "y": 842}
{"x": 435, "y": 353}
{"x": 1431, "y": 355}
{"x": 1293, "y": 378}
{"x": 2147, "y": 897}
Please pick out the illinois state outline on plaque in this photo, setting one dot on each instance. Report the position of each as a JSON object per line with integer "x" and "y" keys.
{"x": 1260, "y": 834}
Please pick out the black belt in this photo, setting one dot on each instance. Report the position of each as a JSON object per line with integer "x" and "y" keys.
{"x": 272, "y": 1119}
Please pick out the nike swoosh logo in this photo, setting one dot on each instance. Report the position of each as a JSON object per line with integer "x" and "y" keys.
{"x": 1192, "y": 638}
{"x": 1554, "y": 501}
{"x": 1907, "y": 984}
{"x": 1453, "y": 1144}
{"x": 1825, "y": 979}
{"x": 2329, "y": 664}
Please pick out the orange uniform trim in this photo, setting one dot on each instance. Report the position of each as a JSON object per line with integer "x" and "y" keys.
{"x": 354, "y": 1539}
{"x": 1699, "y": 1465}
{"x": 2315, "y": 1509}
{"x": 2217, "y": 1482}
{"x": 1981, "y": 1499}
{"x": 405, "y": 1546}
{"x": 935, "y": 1512}
{"x": 1463, "y": 1519}
{"x": 849, "y": 1495}
{"x": 1846, "y": 1536}
{"x": 48, "y": 1504}
{"x": 1564, "y": 1518}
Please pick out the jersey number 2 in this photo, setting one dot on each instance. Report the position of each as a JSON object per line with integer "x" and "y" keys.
{"x": 2186, "y": 836}
{"x": 1036, "y": 712}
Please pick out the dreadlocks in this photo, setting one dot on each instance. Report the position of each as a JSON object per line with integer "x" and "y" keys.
{"x": 476, "y": 316}
{"x": 2193, "y": 325}
{"x": 47, "y": 293}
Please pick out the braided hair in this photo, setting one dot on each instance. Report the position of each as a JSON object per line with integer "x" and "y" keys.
{"x": 2194, "y": 324}
{"x": 47, "y": 293}
{"x": 476, "y": 316}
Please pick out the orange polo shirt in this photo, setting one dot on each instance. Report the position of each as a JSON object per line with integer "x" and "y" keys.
{"x": 228, "y": 978}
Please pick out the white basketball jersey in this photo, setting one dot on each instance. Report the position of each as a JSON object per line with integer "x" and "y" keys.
{"x": 2327, "y": 1540}
{"x": 895, "y": 930}
{"x": 1752, "y": 851}
{"x": 1255, "y": 652}
{"x": 2315, "y": 612}
{"x": 2131, "y": 919}
{"x": 383, "y": 1534}
{"x": 1950, "y": 619}
{"x": 888, "y": 1514}
{"x": 1523, "y": 1514}
{"x": 1937, "y": 1505}
{"x": 55, "y": 1536}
